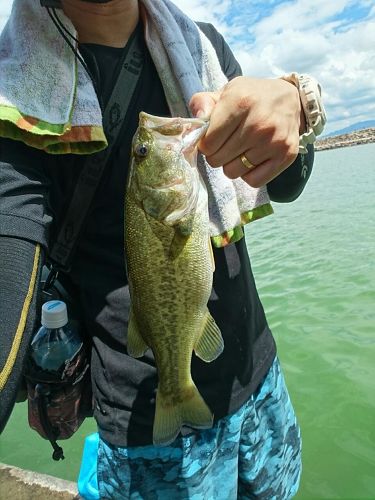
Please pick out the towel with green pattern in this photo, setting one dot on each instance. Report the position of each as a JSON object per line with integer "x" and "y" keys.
{"x": 46, "y": 97}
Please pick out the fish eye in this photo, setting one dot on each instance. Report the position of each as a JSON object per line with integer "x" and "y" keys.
{"x": 141, "y": 150}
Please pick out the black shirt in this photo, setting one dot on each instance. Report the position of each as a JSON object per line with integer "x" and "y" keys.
{"x": 34, "y": 191}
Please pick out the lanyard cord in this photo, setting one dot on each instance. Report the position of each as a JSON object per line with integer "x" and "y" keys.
{"x": 64, "y": 32}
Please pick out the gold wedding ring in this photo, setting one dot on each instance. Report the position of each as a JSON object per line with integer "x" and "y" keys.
{"x": 246, "y": 163}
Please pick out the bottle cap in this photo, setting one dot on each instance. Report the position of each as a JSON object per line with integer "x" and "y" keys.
{"x": 54, "y": 314}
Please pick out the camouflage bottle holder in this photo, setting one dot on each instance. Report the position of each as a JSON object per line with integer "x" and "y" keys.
{"x": 57, "y": 408}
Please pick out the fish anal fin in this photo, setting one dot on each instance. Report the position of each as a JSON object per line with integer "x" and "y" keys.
{"x": 210, "y": 344}
{"x": 136, "y": 345}
{"x": 169, "y": 419}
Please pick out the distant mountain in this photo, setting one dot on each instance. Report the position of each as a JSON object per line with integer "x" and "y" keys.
{"x": 352, "y": 128}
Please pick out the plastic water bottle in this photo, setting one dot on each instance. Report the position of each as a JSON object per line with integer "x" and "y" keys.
{"x": 56, "y": 341}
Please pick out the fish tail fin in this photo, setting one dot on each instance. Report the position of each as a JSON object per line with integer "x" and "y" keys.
{"x": 191, "y": 411}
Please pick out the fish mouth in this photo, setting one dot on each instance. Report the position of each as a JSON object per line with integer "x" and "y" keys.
{"x": 170, "y": 125}
{"x": 188, "y": 130}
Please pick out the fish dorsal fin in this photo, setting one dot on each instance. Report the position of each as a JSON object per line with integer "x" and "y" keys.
{"x": 136, "y": 345}
{"x": 210, "y": 344}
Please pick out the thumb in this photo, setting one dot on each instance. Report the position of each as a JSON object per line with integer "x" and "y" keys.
{"x": 203, "y": 103}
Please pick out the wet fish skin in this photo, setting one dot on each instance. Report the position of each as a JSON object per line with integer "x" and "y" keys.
{"x": 170, "y": 267}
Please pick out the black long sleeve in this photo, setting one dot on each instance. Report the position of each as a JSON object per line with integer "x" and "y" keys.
{"x": 20, "y": 268}
{"x": 289, "y": 184}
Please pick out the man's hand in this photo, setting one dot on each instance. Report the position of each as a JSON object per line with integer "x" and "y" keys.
{"x": 261, "y": 119}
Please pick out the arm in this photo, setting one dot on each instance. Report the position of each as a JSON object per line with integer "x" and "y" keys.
{"x": 286, "y": 174}
{"x": 24, "y": 222}
{"x": 288, "y": 186}
{"x": 20, "y": 269}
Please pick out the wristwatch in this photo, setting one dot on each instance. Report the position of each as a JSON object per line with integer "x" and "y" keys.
{"x": 311, "y": 99}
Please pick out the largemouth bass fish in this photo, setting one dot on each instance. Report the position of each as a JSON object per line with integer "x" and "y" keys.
{"x": 170, "y": 267}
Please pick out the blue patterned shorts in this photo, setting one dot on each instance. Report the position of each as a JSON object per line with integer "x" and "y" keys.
{"x": 254, "y": 454}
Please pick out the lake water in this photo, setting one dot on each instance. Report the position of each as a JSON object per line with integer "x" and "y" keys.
{"x": 314, "y": 261}
{"x": 314, "y": 264}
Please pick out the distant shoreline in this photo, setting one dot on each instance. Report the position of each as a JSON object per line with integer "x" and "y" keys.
{"x": 364, "y": 136}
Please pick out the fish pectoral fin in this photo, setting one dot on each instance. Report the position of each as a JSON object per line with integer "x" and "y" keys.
{"x": 177, "y": 245}
{"x": 136, "y": 345}
{"x": 169, "y": 418}
{"x": 210, "y": 344}
{"x": 186, "y": 225}
{"x": 212, "y": 255}
{"x": 182, "y": 232}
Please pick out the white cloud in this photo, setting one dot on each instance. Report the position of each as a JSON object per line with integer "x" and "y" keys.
{"x": 332, "y": 40}
{"x": 5, "y": 9}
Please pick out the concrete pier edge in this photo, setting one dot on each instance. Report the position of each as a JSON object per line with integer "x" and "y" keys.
{"x": 20, "y": 484}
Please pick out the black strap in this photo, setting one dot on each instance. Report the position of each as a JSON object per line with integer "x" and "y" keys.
{"x": 42, "y": 393}
{"x": 93, "y": 169}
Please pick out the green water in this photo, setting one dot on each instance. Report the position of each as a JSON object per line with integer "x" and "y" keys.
{"x": 314, "y": 264}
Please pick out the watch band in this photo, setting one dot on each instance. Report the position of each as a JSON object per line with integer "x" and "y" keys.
{"x": 311, "y": 100}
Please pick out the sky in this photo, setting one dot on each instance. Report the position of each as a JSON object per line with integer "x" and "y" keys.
{"x": 332, "y": 40}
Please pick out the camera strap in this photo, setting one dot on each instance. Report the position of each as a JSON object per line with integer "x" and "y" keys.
{"x": 88, "y": 181}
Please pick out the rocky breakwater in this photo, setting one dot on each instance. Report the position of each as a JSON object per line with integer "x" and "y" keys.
{"x": 364, "y": 136}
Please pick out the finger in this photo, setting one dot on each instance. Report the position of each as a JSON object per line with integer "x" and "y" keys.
{"x": 225, "y": 122}
{"x": 257, "y": 147}
{"x": 263, "y": 173}
{"x": 202, "y": 104}
{"x": 271, "y": 167}
{"x": 237, "y": 167}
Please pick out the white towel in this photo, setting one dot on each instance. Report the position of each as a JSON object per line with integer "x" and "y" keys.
{"x": 48, "y": 101}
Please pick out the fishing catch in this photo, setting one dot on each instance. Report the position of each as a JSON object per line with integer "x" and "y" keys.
{"x": 170, "y": 267}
